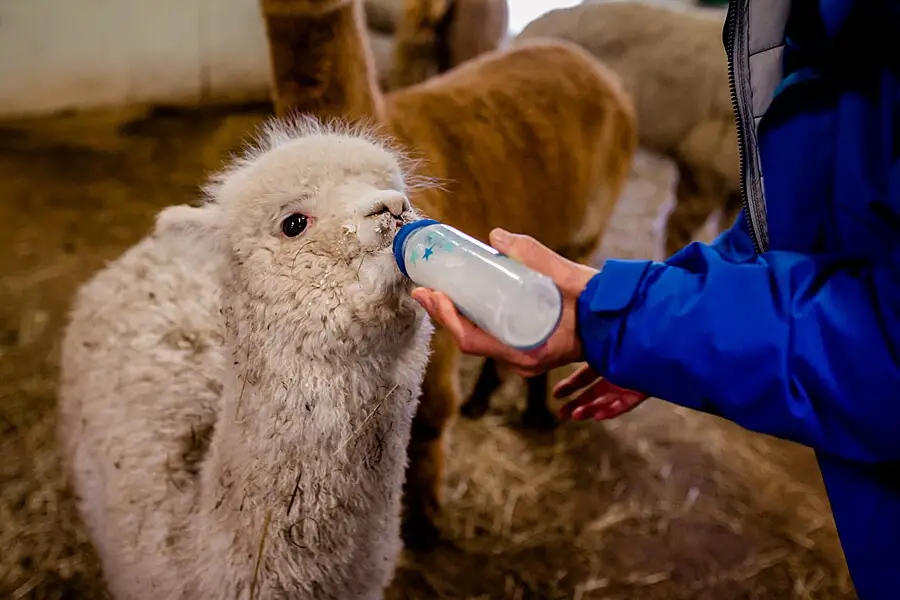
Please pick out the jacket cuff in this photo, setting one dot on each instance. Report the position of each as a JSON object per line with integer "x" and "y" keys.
{"x": 602, "y": 308}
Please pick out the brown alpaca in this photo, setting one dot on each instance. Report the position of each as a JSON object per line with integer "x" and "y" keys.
{"x": 537, "y": 140}
{"x": 433, "y": 36}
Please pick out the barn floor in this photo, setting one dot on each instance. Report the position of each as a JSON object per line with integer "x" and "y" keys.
{"x": 658, "y": 504}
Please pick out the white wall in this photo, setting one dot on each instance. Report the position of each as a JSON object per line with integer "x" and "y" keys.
{"x": 522, "y": 12}
{"x": 59, "y": 54}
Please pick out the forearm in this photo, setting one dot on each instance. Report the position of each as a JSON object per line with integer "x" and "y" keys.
{"x": 795, "y": 346}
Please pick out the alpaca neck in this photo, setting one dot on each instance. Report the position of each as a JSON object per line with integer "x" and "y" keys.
{"x": 298, "y": 440}
{"x": 321, "y": 60}
{"x": 281, "y": 408}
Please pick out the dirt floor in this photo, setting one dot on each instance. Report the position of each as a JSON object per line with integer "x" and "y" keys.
{"x": 660, "y": 504}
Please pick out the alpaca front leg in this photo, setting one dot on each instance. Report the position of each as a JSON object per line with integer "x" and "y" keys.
{"x": 537, "y": 415}
{"x": 692, "y": 209}
{"x": 425, "y": 474}
{"x": 488, "y": 382}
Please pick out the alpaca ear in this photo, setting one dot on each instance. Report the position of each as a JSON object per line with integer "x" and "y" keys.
{"x": 191, "y": 221}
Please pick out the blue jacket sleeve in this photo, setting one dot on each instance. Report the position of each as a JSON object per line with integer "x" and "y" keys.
{"x": 805, "y": 348}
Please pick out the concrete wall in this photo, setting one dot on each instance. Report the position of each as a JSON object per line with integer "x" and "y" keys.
{"x": 64, "y": 54}
{"x": 61, "y": 54}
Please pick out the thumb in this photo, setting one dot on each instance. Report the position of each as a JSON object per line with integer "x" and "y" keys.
{"x": 525, "y": 249}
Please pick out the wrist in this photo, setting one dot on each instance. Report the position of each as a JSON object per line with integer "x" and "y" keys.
{"x": 603, "y": 305}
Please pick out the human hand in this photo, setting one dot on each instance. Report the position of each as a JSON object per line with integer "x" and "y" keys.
{"x": 562, "y": 348}
{"x": 598, "y": 400}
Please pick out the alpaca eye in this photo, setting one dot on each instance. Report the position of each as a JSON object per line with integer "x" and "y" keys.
{"x": 294, "y": 225}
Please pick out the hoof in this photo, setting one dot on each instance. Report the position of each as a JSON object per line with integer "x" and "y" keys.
{"x": 420, "y": 534}
{"x": 539, "y": 421}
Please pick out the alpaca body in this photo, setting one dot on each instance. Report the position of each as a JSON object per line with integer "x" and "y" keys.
{"x": 538, "y": 140}
{"x": 672, "y": 62}
{"x": 224, "y": 435}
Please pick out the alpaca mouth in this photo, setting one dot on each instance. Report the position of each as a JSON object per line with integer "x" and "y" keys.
{"x": 389, "y": 224}
{"x": 379, "y": 235}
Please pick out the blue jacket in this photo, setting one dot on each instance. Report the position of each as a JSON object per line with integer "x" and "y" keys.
{"x": 789, "y": 323}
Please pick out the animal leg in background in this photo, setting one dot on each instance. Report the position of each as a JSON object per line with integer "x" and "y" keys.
{"x": 693, "y": 206}
{"x": 425, "y": 473}
{"x": 320, "y": 63}
{"x": 487, "y": 383}
{"x": 537, "y": 415}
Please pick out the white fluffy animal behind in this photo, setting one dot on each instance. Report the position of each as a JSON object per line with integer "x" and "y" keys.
{"x": 672, "y": 62}
{"x": 237, "y": 389}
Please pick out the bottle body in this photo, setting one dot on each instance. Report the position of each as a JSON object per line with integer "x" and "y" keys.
{"x": 515, "y": 304}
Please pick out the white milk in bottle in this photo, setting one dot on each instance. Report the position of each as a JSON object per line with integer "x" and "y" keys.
{"x": 518, "y": 306}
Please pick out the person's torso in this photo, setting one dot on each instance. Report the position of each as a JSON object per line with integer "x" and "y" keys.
{"x": 820, "y": 113}
{"x": 828, "y": 144}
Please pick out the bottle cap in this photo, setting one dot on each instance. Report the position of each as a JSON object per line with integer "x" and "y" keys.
{"x": 400, "y": 239}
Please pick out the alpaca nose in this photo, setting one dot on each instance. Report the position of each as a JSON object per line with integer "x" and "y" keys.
{"x": 387, "y": 202}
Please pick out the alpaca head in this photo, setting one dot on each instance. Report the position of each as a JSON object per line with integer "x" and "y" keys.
{"x": 306, "y": 218}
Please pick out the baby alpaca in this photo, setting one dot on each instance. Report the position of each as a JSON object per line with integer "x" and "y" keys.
{"x": 238, "y": 388}
{"x": 673, "y": 64}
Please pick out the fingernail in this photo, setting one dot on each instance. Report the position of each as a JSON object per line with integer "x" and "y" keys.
{"x": 501, "y": 237}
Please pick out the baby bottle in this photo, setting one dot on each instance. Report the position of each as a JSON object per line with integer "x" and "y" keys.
{"x": 518, "y": 306}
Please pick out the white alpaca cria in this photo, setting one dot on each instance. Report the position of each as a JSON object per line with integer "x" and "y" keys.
{"x": 672, "y": 61}
{"x": 236, "y": 401}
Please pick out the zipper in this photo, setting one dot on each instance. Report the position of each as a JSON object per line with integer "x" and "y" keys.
{"x": 730, "y": 35}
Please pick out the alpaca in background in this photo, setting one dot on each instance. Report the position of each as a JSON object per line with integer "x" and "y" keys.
{"x": 672, "y": 62}
{"x": 537, "y": 139}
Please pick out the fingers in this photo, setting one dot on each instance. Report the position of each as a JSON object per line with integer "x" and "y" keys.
{"x": 601, "y": 411}
{"x": 593, "y": 395}
{"x": 466, "y": 335}
{"x": 570, "y": 276}
{"x": 617, "y": 408}
{"x": 574, "y": 382}
{"x": 524, "y": 249}
{"x": 602, "y": 400}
